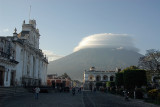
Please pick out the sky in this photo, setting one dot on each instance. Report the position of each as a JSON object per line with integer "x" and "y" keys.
{"x": 65, "y": 24}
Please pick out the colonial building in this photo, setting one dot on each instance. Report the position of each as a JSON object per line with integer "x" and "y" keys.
{"x": 93, "y": 76}
{"x": 58, "y": 81}
{"x": 21, "y": 60}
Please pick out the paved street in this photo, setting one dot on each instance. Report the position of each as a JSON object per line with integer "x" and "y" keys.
{"x": 85, "y": 99}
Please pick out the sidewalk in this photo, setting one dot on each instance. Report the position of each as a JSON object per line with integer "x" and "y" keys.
{"x": 136, "y": 101}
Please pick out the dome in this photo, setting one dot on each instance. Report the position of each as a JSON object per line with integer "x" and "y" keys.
{"x": 92, "y": 68}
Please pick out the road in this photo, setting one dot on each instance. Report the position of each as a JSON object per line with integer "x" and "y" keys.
{"x": 85, "y": 99}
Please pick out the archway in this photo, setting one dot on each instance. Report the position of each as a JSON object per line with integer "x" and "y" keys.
{"x": 98, "y": 78}
{"x": 91, "y": 78}
{"x": 105, "y": 78}
{"x": 12, "y": 80}
{"x": 111, "y": 78}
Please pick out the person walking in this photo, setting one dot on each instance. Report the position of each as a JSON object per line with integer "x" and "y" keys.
{"x": 37, "y": 90}
{"x": 80, "y": 90}
{"x": 73, "y": 91}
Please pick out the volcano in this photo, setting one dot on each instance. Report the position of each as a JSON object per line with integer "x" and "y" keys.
{"x": 101, "y": 58}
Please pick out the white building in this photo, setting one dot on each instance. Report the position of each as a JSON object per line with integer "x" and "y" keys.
{"x": 92, "y": 76}
{"x": 21, "y": 60}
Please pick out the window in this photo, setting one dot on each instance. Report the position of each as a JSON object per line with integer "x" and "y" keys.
{"x": 7, "y": 70}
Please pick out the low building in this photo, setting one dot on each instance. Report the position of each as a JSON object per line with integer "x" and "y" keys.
{"x": 92, "y": 76}
{"x": 21, "y": 60}
{"x": 58, "y": 81}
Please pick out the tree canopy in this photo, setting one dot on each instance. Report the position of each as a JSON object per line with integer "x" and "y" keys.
{"x": 131, "y": 77}
{"x": 130, "y": 68}
{"x": 151, "y": 61}
{"x": 65, "y": 75}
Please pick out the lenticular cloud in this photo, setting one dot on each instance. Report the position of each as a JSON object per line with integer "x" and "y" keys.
{"x": 107, "y": 40}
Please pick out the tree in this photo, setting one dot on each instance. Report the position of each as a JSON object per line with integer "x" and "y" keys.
{"x": 65, "y": 75}
{"x": 119, "y": 79}
{"x": 133, "y": 78}
{"x": 151, "y": 61}
{"x": 130, "y": 68}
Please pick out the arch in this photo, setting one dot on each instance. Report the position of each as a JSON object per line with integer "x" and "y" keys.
{"x": 105, "y": 78}
{"x": 90, "y": 77}
{"x": 98, "y": 78}
{"x": 112, "y": 78}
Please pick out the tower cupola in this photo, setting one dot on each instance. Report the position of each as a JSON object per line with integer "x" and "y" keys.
{"x": 33, "y": 22}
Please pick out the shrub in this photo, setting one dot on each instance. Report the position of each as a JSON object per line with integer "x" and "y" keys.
{"x": 110, "y": 84}
{"x": 153, "y": 94}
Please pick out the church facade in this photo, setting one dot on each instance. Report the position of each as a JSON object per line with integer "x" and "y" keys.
{"x": 21, "y": 60}
{"x": 92, "y": 76}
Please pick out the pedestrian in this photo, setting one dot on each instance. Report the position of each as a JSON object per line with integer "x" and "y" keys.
{"x": 73, "y": 91}
{"x": 37, "y": 90}
{"x": 79, "y": 89}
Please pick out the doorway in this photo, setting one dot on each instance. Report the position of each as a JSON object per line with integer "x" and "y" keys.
{"x": 1, "y": 78}
{"x": 12, "y": 78}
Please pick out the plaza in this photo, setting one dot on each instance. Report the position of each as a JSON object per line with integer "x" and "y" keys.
{"x": 85, "y": 99}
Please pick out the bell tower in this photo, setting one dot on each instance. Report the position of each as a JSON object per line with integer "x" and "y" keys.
{"x": 31, "y": 33}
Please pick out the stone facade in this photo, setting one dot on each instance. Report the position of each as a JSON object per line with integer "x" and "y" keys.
{"x": 93, "y": 76}
{"x": 21, "y": 60}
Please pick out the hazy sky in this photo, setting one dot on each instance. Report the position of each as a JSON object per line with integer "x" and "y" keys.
{"x": 64, "y": 24}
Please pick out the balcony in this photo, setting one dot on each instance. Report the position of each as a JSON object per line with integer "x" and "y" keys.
{"x": 7, "y": 57}
{"x": 4, "y": 55}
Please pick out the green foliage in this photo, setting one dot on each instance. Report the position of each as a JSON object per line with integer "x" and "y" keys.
{"x": 65, "y": 75}
{"x": 153, "y": 93}
{"x": 130, "y": 68}
{"x": 110, "y": 84}
{"x": 119, "y": 79}
{"x": 133, "y": 78}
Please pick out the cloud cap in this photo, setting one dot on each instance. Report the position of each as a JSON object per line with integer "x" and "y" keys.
{"x": 107, "y": 40}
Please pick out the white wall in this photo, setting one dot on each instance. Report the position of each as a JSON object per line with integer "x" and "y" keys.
{"x": 19, "y": 68}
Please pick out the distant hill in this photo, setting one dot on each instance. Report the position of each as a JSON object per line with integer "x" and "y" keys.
{"x": 101, "y": 58}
